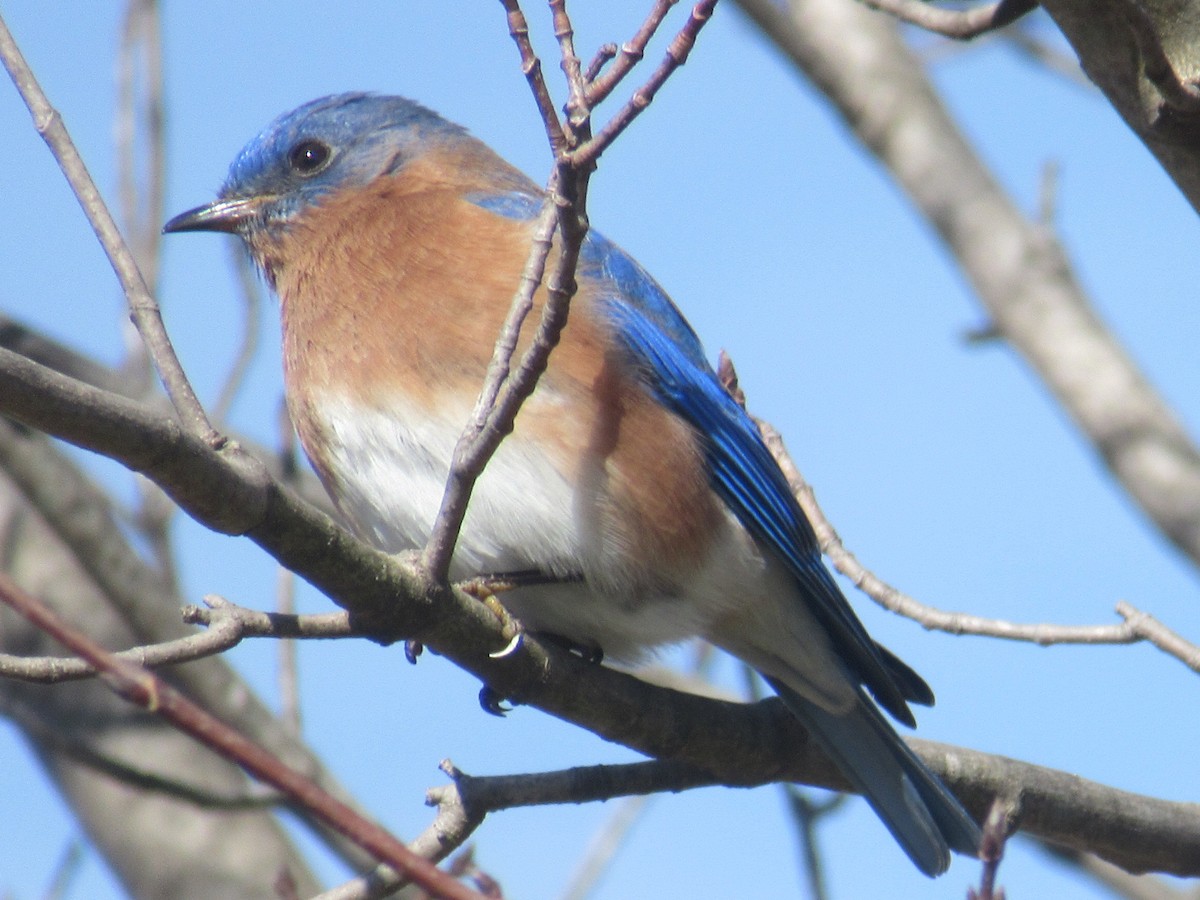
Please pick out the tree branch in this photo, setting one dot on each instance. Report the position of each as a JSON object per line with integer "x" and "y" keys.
{"x": 1019, "y": 271}
{"x": 960, "y": 24}
{"x": 738, "y": 744}
{"x": 142, "y": 305}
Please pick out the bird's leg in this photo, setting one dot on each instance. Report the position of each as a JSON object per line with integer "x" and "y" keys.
{"x": 484, "y": 589}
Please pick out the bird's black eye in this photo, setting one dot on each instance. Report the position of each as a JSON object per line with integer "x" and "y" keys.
{"x": 309, "y": 157}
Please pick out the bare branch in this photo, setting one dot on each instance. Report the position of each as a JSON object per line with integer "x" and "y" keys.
{"x": 142, "y": 305}
{"x": 224, "y": 634}
{"x": 676, "y": 56}
{"x": 518, "y": 29}
{"x": 1148, "y": 628}
{"x": 448, "y": 831}
{"x": 961, "y": 24}
{"x": 565, "y": 213}
{"x": 731, "y": 742}
{"x": 228, "y": 625}
{"x": 897, "y": 601}
{"x": 631, "y": 53}
{"x": 494, "y": 413}
{"x": 578, "y": 108}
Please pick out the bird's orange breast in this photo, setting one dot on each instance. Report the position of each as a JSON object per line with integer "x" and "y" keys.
{"x": 399, "y": 290}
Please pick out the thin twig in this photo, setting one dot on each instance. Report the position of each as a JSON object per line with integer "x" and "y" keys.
{"x": 1136, "y": 627}
{"x": 531, "y": 66}
{"x": 143, "y": 689}
{"x": 897, "y": 601}
{"x": 66, "y": 871}
{"x": 606, "y": 54}
{"x": 676, "y": 56}
{"x": 448, "y": 831}
{"x": 503, "y": 394}
{"x": 142, "y": 305}
{"x": 631, "y": 53}
{"x": 1149, "y": 628}
{"x": 960, "y": 24}
{"x": 991, "y": 852}
{"x": 604, "y": 844}
{"x": 483, "y": 434}
{"x": 228, "y": 625}
{"x": 578, "y": 109}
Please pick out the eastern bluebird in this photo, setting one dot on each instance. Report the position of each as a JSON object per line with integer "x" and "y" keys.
{"x": 632, "y": 483}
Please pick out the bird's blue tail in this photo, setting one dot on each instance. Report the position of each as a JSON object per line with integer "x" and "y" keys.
{"x": 918, "y": 810}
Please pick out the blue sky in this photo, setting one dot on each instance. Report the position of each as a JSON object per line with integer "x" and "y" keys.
{"x": 945, "y": 466}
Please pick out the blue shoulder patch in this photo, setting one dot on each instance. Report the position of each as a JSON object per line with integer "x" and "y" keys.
{"x": 517, "y": 205}
{"x": 613, "y": 273}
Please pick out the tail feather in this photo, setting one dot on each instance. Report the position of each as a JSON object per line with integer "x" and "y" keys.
{"x": 923, "y": 816}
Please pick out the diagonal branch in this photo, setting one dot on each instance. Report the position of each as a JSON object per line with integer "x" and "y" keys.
{"x": 142, "y": 306}
{"x": 142, "y": 688}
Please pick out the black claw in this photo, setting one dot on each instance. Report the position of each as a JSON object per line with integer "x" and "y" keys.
{"x": 413, "y": 649}
{"x": 492, "y": 703}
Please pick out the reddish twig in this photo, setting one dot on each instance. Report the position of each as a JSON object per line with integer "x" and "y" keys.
{"x": 142, "y": 688}
{"x": 449, "y": 830}
{"x": 606, "y": 54}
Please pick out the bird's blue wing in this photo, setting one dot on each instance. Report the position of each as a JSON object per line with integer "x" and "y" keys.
{"x": 670, "y": 358}
{"x": 671, "y": 363}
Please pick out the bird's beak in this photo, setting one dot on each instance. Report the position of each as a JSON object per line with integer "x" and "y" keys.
{"x": 220, "y": 215}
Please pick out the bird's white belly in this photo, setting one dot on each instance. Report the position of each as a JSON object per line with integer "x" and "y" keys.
{"x": 390, "y": 469}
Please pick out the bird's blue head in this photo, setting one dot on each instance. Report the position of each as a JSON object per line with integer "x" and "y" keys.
{"x": 344, "y": 140}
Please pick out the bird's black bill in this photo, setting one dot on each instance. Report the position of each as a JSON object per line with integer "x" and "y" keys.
{"x": 223, "y": 215}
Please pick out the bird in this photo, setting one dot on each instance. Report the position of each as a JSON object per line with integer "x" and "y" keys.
{"x": 634, "y": 486}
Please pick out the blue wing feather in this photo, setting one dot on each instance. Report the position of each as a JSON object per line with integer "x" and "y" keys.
{"x": 747, "y": 478}
{"x": 671, "y": 360}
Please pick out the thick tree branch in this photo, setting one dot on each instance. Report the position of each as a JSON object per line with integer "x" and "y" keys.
{"x": 737, "y": 744}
